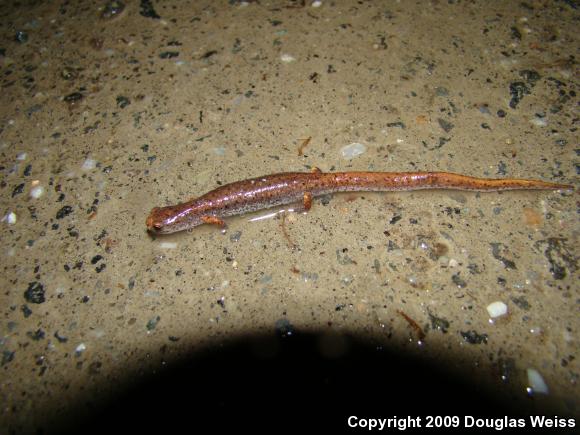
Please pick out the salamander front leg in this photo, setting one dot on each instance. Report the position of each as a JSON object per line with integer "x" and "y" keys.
{"x": 307, "y": 201}
{"x": 213, "y": 220}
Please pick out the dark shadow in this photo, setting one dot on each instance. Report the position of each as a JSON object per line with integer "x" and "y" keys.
{"x": 302, "y": 382}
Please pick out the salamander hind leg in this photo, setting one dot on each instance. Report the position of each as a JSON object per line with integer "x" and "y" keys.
{"x": 302, "y": 205}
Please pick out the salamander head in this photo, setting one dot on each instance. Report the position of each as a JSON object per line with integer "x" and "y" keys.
{"x": 165, "y": 220}
{"x": 154, "y": 221}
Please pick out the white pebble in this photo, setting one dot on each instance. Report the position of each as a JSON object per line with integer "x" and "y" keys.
{"x": 353, "y": 150}
{"x": 453, "y": 262}
{"x": 80, "y": 349}
{"x": 539, "y": 122}
{"x": 89, "y": 164}
{"x": 536, "y": 382}
{"x": 316, "y": 4}
{"x": 36, "y": 192}
{"x": 10, "y": 218}
{"x": 168, "y": 245}
{"x": 287, "y": 58}
{"x": 21, "y": 156}
{"x": 496, "y": 309}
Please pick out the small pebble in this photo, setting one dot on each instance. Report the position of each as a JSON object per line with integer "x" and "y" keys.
{"x": 287, "y": 58}
{"x": 316, "y": 4}
{"x": 21, "y": 36}
{"x": 497, "y": 309}
{"x": 88, "y": 165}
{"x": 353, "y": 150}
{"x": 10, "y": 218}
{"x": 36, "y": 192}
{"x": 21, "y": 156}
{"x": 539, "y": 122}
{"x": 168, "y": 245}
{"x": 80, "y": 349}
{"x": 536, "y": 382}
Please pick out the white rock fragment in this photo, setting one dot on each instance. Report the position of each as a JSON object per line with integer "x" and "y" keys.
{"x": 539, "y": 122}
{"x": 80, "y": 349}
{"x": 10, "y": 218}
{"x": 36, "y": 192}
{"x": 353, "y": 150}
{"x": 21, "y": 156}
{"x": 536, "y": 383}
{"x": 316, "y": 4}
{"x": 497, "y": 309}
{"x": 89, "y": 165}
{"x": 168, "y": 245}
{"x": 287, "y": 58}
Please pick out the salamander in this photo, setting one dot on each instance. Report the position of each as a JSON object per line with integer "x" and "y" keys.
{"x": 289, "y": 187}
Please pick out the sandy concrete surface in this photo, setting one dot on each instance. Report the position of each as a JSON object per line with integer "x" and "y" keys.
{"x": 110, "y": 109}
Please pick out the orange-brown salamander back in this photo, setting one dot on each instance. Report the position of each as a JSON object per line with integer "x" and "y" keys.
{"x": 290, "y": 187}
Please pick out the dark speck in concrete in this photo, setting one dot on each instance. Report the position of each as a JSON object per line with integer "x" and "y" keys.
{"x": 7, "y": 357}
{"x": 147, "y": 10}
{"x": 39, "y": 334}
{"x": 559, "y": 255}
{"x": 517, "y": 92}
{"x": 521, "y": 302}
{"x": 60, "y": 338}
{"x": 472, "y": 337}
{"x": 64, "y": 211}
{"x": 458, "y": 281}
{"x": 34, "y": 293}
{"x": 438, "y": 323}
{"x": 445, "y": 125}
{"x": 152, "y": 323}
{"x": 26, "y": 312}
{"x": 497, "y": 250}
{"x": 18, "y": 190}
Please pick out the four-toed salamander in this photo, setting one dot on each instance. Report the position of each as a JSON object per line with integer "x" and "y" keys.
{"x": 289, "y": 187}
